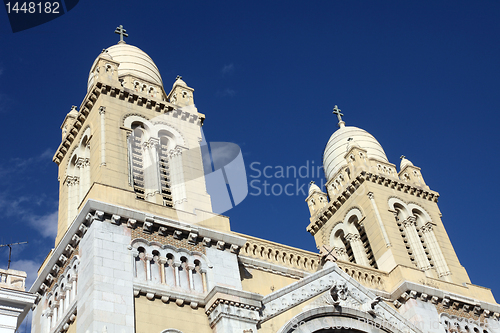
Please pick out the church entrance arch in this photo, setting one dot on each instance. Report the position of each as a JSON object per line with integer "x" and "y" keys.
{"x": 331, "y": 319}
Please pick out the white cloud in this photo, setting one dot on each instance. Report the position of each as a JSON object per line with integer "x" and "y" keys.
{"x": 228, "y": 69}
{"x": 227, "y": 92}
{"x": 45, "y": 224}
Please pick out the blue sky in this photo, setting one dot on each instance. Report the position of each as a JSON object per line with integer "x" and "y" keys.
{"x": 422, "y": 77}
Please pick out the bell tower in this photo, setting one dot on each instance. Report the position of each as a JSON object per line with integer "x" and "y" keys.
{"x": 131, "y": 144}
{"x": 378, "y": 217}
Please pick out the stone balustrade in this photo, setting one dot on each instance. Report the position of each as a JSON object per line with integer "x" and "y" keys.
{"x": 368, "y": 277}
{"x": 280, "y": 254}
{"x": 12, "y": 279}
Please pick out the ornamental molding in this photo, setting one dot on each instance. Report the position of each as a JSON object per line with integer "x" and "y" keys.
{"x": 67, "y": 320}
{"x": 339, "y": 292}
{"x": 410, "y": 290}
{"x": 94, "y": 211}
{"x": 151, "y": 103}
{"x": 137, "y": 242}
{"x": 131, "y": 115}
{"x": 222, "y": 302}
{"x": 324, "y": 214}
{"x": 168, "y": 295}
{"x": 248, "y": 262}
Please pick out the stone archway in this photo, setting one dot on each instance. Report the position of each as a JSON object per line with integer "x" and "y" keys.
{"x": 330, "y": 319}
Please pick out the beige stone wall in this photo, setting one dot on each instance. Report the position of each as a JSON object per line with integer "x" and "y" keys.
{"x": 265, "y": 283}
{"x": 156, "y": 316}
{"x": 114, "y": 175}
{"x": 394, "y": 261}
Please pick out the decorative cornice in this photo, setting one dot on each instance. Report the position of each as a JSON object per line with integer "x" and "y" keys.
{"x": 323, "y": 215}
{"x": 409, "y": 290}
{"x": 155, "y": 104}
{"x": 98, "y": 211}
{"x": 167, "y": 295}
{"x": 272, "y": 268}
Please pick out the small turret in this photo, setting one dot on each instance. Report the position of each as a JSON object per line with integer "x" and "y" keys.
{"x": 410, "y": 173}
{"x": 69, "y": 120}
{"x": 181, "y": 94}
{"x": 316, "y": 198}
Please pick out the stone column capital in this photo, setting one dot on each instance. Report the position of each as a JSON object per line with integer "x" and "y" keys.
{"x": 428, "y": 227}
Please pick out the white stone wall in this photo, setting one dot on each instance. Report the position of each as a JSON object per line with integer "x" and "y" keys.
{"x": 105, "y": 286}
{"x": 225, "y": 268}
{"x": 422, "y": 314}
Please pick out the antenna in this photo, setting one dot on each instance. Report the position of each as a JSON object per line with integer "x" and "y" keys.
{"x": 10, "y": 249}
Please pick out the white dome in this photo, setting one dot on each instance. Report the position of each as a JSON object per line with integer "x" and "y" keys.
{"x": 313, "y": 188}
{"x": 336, "y": 148}
{"x": 132, "y": 61}
{"x": 179, "y": 82}
{"x": 404, "y": 163}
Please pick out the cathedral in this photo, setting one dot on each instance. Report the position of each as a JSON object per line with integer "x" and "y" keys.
{"x": 140, "y": 248}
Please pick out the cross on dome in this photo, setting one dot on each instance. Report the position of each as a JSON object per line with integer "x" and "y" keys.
{"x": 122, "y": 32}
{"x": 336, "y": 111}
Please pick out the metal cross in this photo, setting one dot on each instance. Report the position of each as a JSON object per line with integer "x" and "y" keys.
{"x": 336, "y": 111}
{"x": 328, "y": 253}
{"x": 122, "y": 32}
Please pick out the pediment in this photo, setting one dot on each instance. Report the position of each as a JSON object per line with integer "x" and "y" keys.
{"x": 333, "y": 293}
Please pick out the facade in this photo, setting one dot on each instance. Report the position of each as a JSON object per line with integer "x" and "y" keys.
{"x": 139, "y": 248}
{"x": 15, "y": 302}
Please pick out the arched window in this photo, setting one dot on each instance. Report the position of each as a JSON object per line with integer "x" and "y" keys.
{"x": 140, "y": 264}
{"x": 184, "y": 274}
{"x": 417, "y": 232}
{"x": 166, "y": 185}
{"x": 155, "y": 267}
{"x": 169, "y": 270}
{"x": 136, "y": 173}
{"x": 429, "y": 241}
{"x": 349, "y": 240}
{"x": 408, "y": 229}
{"x": 197, "y": 277}
{"x": 78, "y": 176}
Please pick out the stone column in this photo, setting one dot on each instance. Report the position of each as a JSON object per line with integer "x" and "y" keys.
{"x": 152, "y": 184}
{"x": 379, "y": 219}
{"x": 55, "y": 316}
{"x": 73, "y": 288}
{"x": 162, "y": 261}
{"x": 176, "y": 265}
{"x": 62, "y": 304}
{"x": 415, "y": 243}
{"x": 79, "y": 171}
{"x": 436, "y": 254}
{"x": 148, "y": 259}
{"x": 179, "y": 196}
{"x": 50, "y": 314}
{"x": 358, "y": 249}
{"x": 342, "y": 253}
{"x": 102, "y": 112}
{"x": 68, "y": 299}
{"x": 204, "y": 279}
{"x": 190, "y": 268}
